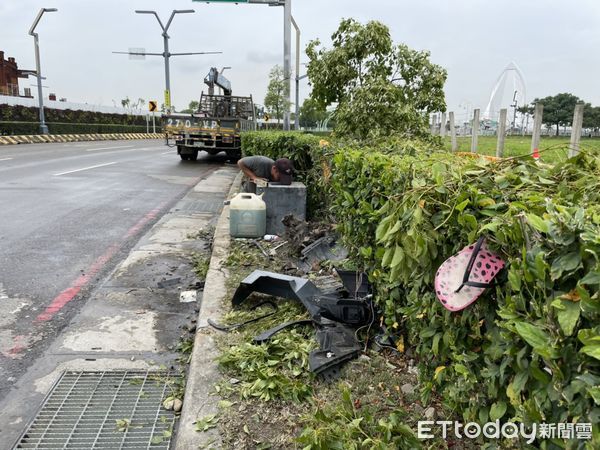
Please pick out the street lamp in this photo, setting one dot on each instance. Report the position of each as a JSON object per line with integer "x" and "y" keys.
{"x": 166, "y": 53}
{"x": 38, "y": 70}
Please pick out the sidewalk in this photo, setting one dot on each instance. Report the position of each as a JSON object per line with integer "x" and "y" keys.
{"x": 134, "y": 319}
{"x": 203, "y": 372}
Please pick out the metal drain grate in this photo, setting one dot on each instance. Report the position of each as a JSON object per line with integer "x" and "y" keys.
{"x": 85, "y": 410}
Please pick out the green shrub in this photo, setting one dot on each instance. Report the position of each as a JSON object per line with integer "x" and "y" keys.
{"x": 530, "y": 348}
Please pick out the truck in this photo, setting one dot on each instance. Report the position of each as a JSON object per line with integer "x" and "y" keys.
{"x": 217, "y": 124}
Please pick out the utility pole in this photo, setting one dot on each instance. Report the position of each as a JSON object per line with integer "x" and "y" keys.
{"x": 38, "y": 70}
{"x": 166, "y": 54}
{"x": 287, "y": 44}
{"x": 287, "y": 54}
{"x": 298, "y": 77}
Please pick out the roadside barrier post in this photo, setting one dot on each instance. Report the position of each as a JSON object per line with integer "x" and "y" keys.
{"x": 443, "y": 125}
{"x": 475, "y": 130}
{"x": 537, "y": 130}
{"x": 452, "y": 131}
{"x": 501, "y": 133}
{"x": 576, "y": 130}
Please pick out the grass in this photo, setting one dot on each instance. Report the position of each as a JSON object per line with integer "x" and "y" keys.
{"x": 552, "y": 149}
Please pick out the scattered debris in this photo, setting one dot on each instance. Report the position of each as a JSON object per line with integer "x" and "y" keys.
{"x": 332, "y": 314}
{"x": 241, "y": 324}
{"x": 169, "y": 282}
{"x": 188, "y": 297}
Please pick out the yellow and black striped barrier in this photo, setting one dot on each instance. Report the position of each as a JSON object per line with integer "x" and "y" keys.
{"x": 44, "y": 138}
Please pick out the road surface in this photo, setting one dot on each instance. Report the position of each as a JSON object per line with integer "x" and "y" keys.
{"x": 68, "y": 214}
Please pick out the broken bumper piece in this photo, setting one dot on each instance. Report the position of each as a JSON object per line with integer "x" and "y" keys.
{"x": 332, "y": 314}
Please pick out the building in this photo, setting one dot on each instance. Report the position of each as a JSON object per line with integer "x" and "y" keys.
{"x": 9, "y": 77}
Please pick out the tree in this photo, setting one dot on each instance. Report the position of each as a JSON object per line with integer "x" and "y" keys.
{"x": 192, "y": 107}
{"x": 379, "y": 87}
{"x": 526, "y": 112}
{"x": 311, "y": 114}
{"x": 591, "y": 117}
{"x": 276, "y": 100}
{"x": 558, "y": 109}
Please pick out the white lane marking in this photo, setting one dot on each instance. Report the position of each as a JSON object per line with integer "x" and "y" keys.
{"x": 107, "y": 148}
{"x": 167, "y": 153}
{"x": 5, "y": 159}
{"x": 85, "y": 168}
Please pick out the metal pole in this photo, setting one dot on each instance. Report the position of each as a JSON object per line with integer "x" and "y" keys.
{"x": 167, "y": 74}
{"x": 297, "y": 109}
{"x": 153, "y": 124}
{"x": 287, "y": 39}
{"x": 43, "y": 126}
{"x": 452, "y": 131}
{"x": 475, "y": 130}
{"x": 166, "y": 54}
{"x": 38, "y": 69}
{"x": 147, "y": 124}
{"x": 576, "y": 130}
{"x": 537, "y": 130}
{"x": 501, "y": 133}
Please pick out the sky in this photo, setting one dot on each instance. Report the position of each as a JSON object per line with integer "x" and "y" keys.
{"x": 554, "y": 43}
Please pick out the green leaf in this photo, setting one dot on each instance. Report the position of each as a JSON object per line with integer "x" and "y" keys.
{"x": 565, "y": 263}
{"x": 462, "y": 205}
{"x": 567, "y": 314}
{"x": 398, "y": 256}
{"x": 588, "y": 336}
{"x": 595, "y": 394}
{"x": 591, "y": 278}
{"x": 538, "y": 223}
{"x": 498, "y": 410}
{"x": 591, "y": 350}
{"x": 157, "y": 440}
{"x": 206, "y": 422}
{"x": 537, "y": 338}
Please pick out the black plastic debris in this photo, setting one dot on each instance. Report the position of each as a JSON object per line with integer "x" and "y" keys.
{"x": 335, "y": 315}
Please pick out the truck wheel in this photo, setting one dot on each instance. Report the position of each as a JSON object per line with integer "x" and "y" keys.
{"x": 193, "y": 156}
{"x": 184, "y": 157}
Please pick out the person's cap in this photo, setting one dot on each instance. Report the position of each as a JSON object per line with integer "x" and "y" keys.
{"x": 286, "y": 169}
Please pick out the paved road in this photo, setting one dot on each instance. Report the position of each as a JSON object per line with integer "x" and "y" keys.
{"x": 68, "y": 214}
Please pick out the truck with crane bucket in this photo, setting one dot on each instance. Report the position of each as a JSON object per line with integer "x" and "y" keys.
{"x": 217, "y": 124}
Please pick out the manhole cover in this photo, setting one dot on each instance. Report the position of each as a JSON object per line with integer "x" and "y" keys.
{"x": 109, "y": 410}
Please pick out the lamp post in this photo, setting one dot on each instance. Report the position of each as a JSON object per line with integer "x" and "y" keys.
{"x": 166, "y": 53}
{"x": 38, "y": 70}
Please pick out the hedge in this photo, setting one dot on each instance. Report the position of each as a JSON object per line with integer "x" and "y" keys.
{"x": 28, "y": 128}
{"x": 17, "y": 119}
{"x": 528, "y": 350}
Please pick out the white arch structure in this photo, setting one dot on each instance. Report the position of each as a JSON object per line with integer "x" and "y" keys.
{"x": 501, "y": 97}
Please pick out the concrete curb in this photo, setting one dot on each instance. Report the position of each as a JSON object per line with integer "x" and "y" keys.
{"x": 52, "y": 138}
{"x": 203, "y": 372}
